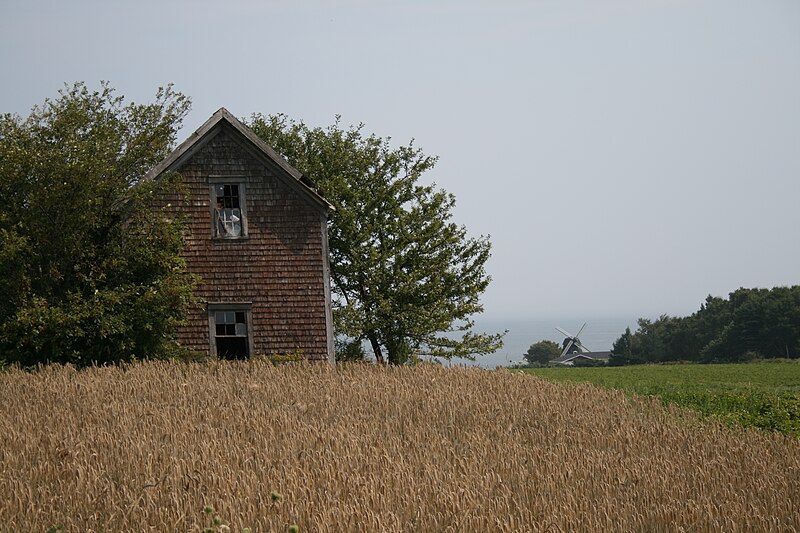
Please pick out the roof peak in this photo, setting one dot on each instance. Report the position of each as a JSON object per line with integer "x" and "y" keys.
{"x": 222, "y": 114}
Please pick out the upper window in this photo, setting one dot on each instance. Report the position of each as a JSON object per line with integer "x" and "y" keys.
{"x": 229, "y": 210}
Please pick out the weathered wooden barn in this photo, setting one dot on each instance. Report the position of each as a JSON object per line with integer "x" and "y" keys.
{"x": 256, "y": 234}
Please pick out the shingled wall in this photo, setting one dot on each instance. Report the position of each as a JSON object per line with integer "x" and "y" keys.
{"x": 279, "y": 267}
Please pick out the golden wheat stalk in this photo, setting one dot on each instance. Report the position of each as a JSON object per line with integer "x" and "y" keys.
{"x": 363, "y": 448}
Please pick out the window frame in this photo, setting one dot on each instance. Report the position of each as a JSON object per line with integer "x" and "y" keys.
{"x": 213, "y": 183}
{"x": 245, "y": 307}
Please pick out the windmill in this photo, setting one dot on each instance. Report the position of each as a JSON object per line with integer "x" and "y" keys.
{"x": 572, "y": 344}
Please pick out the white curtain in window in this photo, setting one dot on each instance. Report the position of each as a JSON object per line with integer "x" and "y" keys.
{"x": 229, "y": 222}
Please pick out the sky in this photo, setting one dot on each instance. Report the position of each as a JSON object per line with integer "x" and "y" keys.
{"x": 626, "y": 157}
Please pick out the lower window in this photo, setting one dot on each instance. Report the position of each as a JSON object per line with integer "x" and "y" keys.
{"x": 230, "y": 331}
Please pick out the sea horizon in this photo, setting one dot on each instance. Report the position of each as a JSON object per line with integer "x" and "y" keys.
{"x": 598, "y": 335}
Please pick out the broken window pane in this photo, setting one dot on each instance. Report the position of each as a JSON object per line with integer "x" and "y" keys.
{"x": 228, "y": 217}
{"x": 229, "y": 222}
{"x": 231, "y": 339}
{"x": 230, "y": 323}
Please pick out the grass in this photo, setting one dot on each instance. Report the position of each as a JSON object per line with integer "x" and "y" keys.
{"x": 306, "y": 448}
{"x": 763, "y": 395}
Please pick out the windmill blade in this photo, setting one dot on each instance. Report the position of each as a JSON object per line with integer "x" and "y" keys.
{"x": 582, "y": 347}
{"x": 565, "y": 333}
{"x": 566, "y": 349}
{"x": 580, "y": 330}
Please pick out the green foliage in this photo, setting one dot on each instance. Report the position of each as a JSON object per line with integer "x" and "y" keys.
{"x": 622, "y": 349}
{"x": 764, "y": 395}
{"x": 580, "y": 362}
{"x": 216, "y": 523}
{"x": 401, "y": 271}
{"x": 349, "y": 350}
{"x": 281, "y": 358}
{"x": 750, "y": 324}
{"x": 89, "y": 269}
{"x": 542, "y": 352}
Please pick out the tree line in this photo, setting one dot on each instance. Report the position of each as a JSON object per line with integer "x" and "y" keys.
{"x": 748, "y": 324}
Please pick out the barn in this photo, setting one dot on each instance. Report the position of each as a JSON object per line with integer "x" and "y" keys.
{"x": 256, "y": 235}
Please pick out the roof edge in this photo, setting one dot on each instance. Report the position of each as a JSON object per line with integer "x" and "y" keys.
{"x": 223, "y": 115}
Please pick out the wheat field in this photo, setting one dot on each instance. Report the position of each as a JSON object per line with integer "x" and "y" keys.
{"x": 361, "y": 448}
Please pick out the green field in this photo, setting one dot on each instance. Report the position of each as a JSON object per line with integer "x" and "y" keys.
{"x": 764, "y": 395}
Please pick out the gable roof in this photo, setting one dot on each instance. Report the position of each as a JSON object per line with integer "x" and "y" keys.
{"x": 223, "y": 118}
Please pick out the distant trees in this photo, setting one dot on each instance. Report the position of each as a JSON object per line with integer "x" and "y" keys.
{"x": 542, "y": 352}
{"x": 404, "y": 277}
{"x": 749, "y": 323}
{"x": 89, "y": 271}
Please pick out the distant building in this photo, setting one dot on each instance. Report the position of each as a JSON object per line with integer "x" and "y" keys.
{"x": 570, "y": 358}
{"x": 256, "y": 233}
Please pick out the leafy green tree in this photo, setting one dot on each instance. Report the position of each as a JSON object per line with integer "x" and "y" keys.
{"x": 780, "y": 327}
{"x": 402, "y": 273}
{"x": 652, "y": 344}
{"x": 542, "y": 352}
{"x": 763, "y": 322}
{"x": 623, "y": 348}
{"x": 90, "y": 271}
{"x": 749, "y": 323}
{"x": 349, "y": 350}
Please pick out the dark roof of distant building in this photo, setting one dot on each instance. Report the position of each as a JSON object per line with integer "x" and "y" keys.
{"x": 595, "y": 356}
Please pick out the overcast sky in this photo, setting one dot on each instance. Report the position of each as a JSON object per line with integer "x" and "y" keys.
{"x": 627, "y": 157}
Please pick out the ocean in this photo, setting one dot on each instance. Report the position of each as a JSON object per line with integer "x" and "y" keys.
{"x": 598, "y": 335}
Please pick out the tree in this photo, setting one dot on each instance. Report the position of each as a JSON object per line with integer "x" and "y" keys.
{"x": 750, "y": 323}
{"x": 402, "y": 273}
{"x": 90, "y": 271}
{"x": 763, "y": 322}
{"x": 542, "y": 352}
{"x": 348, "y": 350}
{"x": 622, "y": 349}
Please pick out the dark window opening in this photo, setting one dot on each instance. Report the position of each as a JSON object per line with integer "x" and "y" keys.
{"x": 232, "y": 347}
{"x": 230, "y": 334}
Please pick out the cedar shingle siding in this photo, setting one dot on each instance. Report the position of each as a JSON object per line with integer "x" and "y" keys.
{"x": 279, "y": 270}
